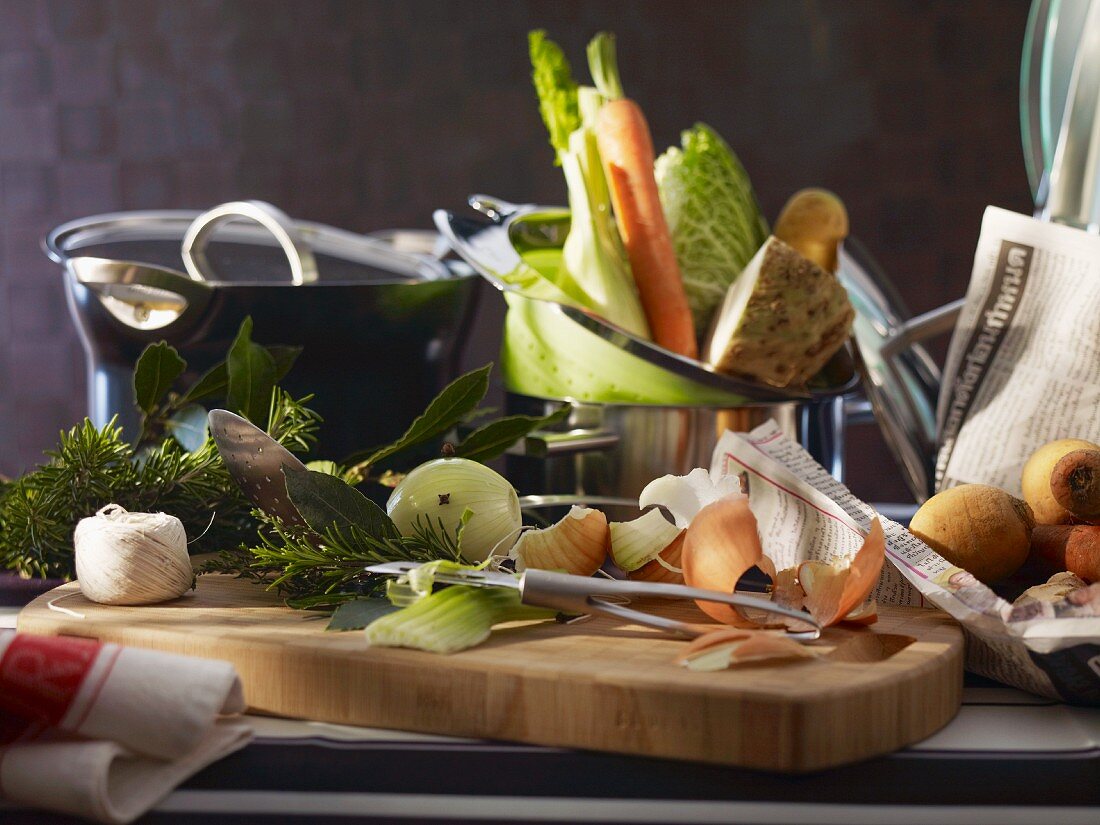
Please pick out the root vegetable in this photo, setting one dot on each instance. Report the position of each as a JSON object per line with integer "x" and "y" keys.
{"x": 814, "y": 222}
{"x": 1072, "y": 547}
{"x": 1057, "y": 588}
{"x": 1075, "y": 484}
{"x": 627, "y": 151}
{"x": 1036, "y": 477}
{"x": 979, "y": 528}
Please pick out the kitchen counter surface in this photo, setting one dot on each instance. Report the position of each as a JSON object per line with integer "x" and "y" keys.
{"x": 1007, "y": 757}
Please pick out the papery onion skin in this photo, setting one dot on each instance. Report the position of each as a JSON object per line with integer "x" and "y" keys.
{"x": 684, "y": 496}
{"x": 636, "y": 543}
{"x": 576, "y": 544}
{"x": 720, "y": 545}
{"x": 655, "y": 571}
{"x": 445, "y": 488}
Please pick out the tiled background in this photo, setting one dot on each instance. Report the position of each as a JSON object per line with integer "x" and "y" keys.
{"x": 370, "y": 114}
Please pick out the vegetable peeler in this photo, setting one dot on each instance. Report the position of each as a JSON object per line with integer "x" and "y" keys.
{"x": 583, "y": 594}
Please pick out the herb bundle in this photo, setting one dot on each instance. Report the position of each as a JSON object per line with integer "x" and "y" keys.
{"x": 322, "y": 564}
{"x": 175, "y": 467}
{"x": 172, "y": 467}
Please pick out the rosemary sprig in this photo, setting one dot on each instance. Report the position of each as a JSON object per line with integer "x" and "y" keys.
{"x": 312, "y": 570}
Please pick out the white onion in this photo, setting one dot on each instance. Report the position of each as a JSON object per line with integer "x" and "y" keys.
{"x": 443, "y": 489}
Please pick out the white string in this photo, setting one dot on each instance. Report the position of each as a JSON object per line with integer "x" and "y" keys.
{"x": 213, "y": 516}
{"x": 51, "y": 604}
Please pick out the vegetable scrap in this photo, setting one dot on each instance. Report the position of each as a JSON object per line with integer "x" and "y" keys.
{"x": 637, "y": 543}
{"x": 577, "y": 544}
{"x": 721, "y": 649}
{"x": 684, "y": 496}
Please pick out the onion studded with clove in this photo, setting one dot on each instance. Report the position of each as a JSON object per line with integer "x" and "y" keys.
{"x": 443, "y": 489}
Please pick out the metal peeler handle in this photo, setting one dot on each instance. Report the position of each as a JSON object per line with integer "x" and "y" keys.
{"x": 577, "y": 594}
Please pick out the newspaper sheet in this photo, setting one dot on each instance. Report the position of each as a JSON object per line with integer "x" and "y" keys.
{"x": 1023, "y": 366}
{"x": 804, "y": 513}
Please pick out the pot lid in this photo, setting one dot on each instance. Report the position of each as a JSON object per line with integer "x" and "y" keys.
{"x": 220, "y": 248}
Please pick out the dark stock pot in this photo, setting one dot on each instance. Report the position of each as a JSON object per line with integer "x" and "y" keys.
{"x": 379, "y": 318}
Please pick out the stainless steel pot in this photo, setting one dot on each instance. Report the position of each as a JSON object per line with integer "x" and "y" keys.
{"x": 380, "y": 326}
{"x": 616, "y": 449}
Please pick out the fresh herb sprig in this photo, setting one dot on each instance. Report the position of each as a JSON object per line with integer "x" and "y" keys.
{"x": 326, "y": 570}
{"x": 172, "y": 467}
{"x": 323, "y": 564}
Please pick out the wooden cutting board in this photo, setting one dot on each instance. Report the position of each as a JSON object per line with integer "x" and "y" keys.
{"x": 599, "y": 684}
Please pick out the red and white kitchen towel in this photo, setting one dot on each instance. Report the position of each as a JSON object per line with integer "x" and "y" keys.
{"x": 106, "y": 732}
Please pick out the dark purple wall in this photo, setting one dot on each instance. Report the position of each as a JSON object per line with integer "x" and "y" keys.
{"x": 370, "y": 114}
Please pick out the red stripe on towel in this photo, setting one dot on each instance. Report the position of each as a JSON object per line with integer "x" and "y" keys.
{"x": 41, "y": 675}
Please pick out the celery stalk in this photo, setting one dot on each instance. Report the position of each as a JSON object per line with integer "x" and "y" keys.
{"x": 593, "y": 253}
{"x": 452, "y": 619}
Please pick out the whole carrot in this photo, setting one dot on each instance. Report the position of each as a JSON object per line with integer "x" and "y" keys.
{"x": 1072, "y": 547}
{"x": 626, "y": 148}
{"x": 1075, "y": 484}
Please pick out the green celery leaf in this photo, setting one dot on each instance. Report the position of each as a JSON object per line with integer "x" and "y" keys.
{"x": 358, "y": 614}
{"x": 157, "y": 369}
{"x": 447, "y": 409}
{"x": 493, "y": 439}
{"x": 251, "y": 376}
{"x": 189, "y": 427}
{"x": 326, "y": 502}
{"x": 556, "y": 89}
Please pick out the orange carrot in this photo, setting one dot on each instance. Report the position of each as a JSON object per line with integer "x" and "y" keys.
{"x": 627, "y": 151}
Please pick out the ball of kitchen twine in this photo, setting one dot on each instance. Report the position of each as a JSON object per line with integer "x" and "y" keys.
{"x": 132, "y": 558}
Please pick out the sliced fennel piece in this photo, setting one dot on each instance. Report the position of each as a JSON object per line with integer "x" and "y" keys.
{"x": 418, "y": 583}
{"x": 451, "y": 619}
{"x": 638, "y": 542}
{"x": 684, "y": 496}
{"x": 593, "y": 253}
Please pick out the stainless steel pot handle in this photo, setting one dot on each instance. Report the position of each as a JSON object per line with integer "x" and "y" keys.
{"x": 935, "y": 322}
{"x": 495, "y": 209}
{"x": 141, "y": 289}
{"x": 544, "y": 443}
{"x": 303, "y": 267}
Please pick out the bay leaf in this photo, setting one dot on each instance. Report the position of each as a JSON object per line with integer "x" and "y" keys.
{"x": 446, "y": 410}
{"x": 156, "y": 370}
{"x": 251, "y": 377}
{"x": 189, "y": 427}
{"x": 326, "y": 501}
{"x": 493, "y": 439}
{"x": 359, "y": 613}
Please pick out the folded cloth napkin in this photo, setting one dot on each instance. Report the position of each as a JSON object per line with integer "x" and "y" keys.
{"x": 106, "y": 732}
